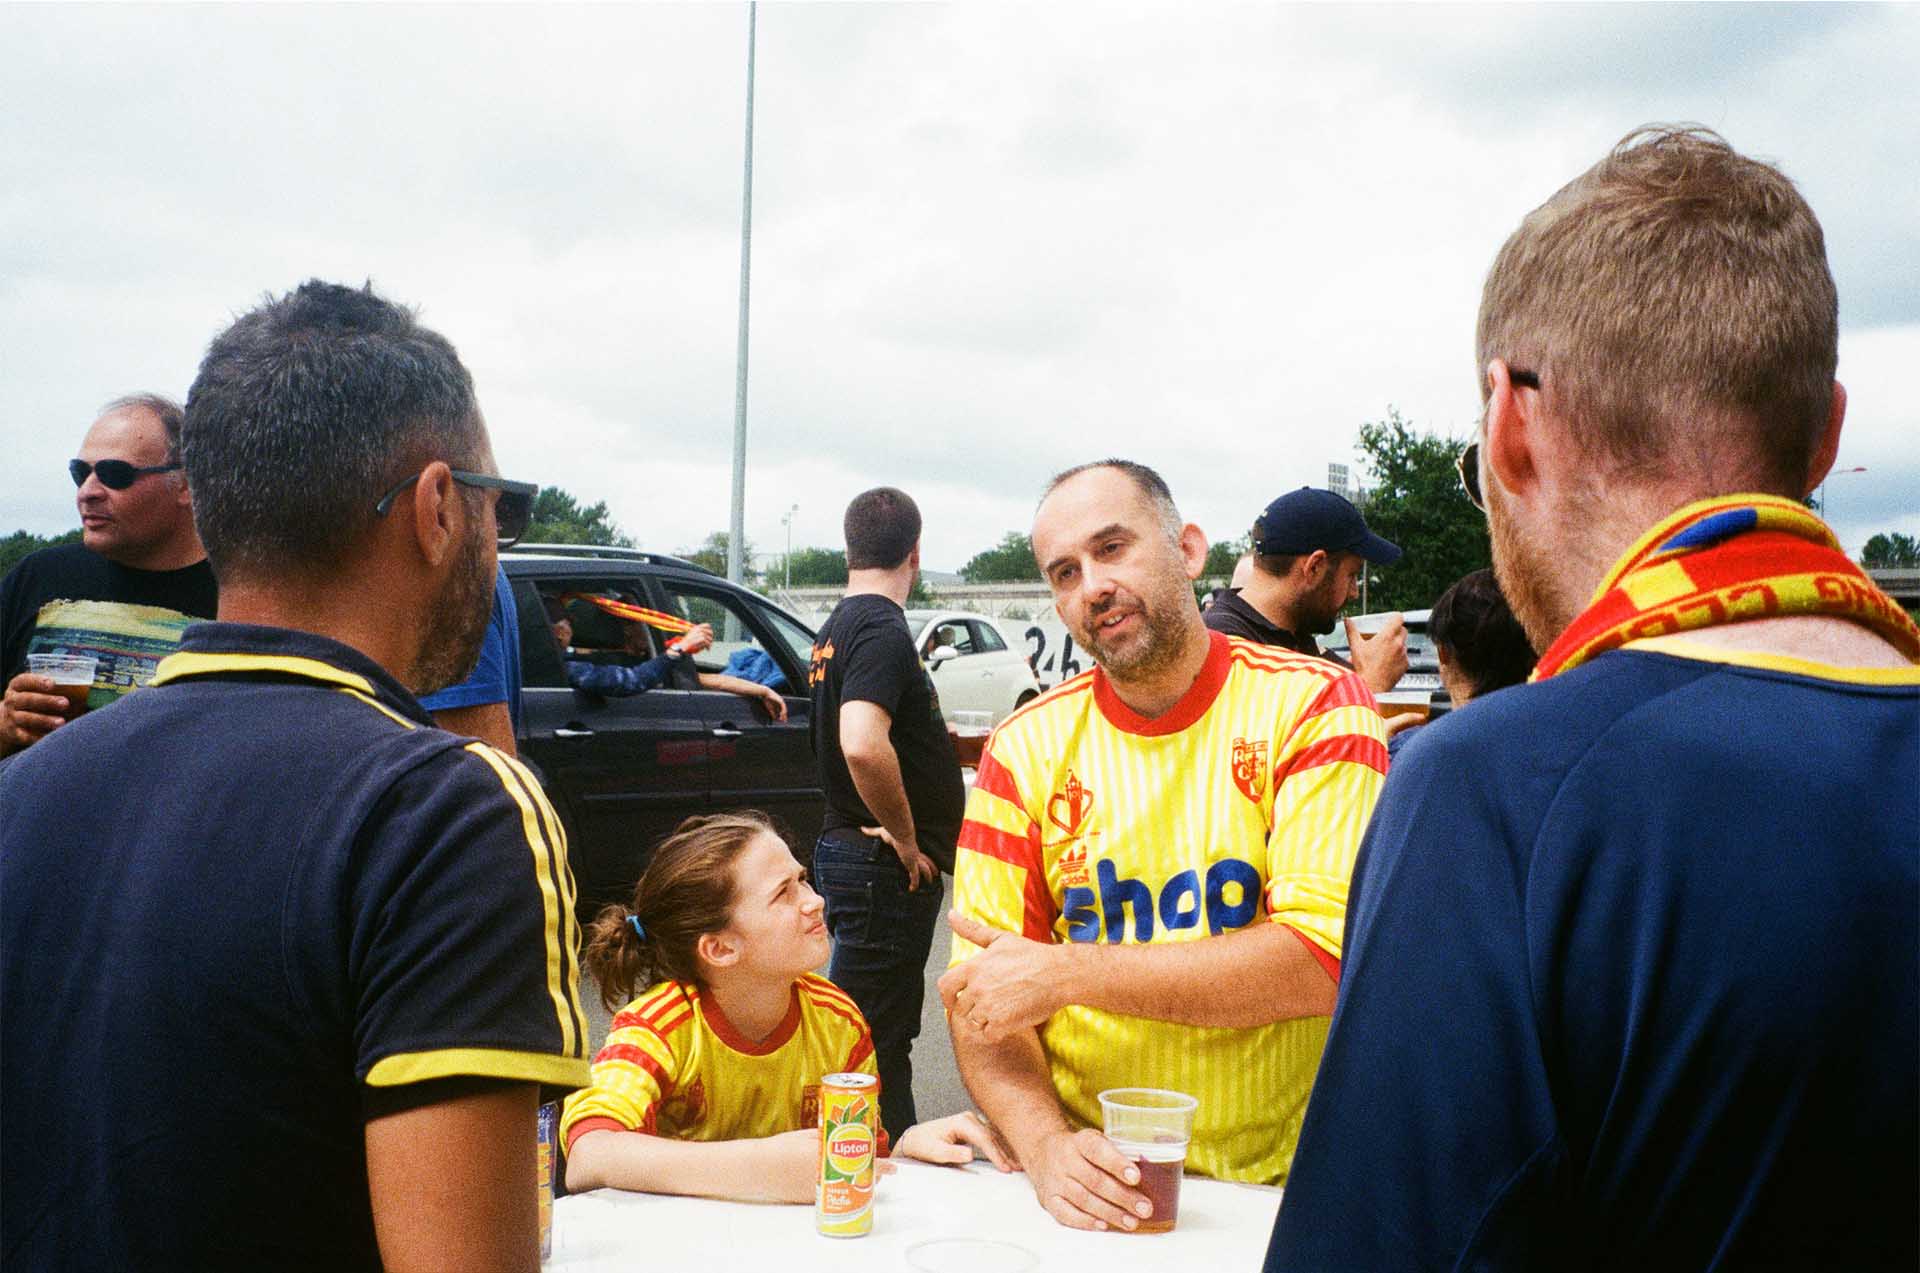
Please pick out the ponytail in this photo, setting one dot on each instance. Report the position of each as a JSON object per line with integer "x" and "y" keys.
{"x": 685, "y": 893}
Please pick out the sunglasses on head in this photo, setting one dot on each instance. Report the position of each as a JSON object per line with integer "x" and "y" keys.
{"x": 1467, "y": 463}
{"x": 511, "y": 515}
{"x": 115, "y": 475}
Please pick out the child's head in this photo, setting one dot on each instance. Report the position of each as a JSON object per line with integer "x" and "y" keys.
{"x": 722, "y": 892}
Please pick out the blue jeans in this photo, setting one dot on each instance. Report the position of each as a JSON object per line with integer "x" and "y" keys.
{"x": 881, "y": 938}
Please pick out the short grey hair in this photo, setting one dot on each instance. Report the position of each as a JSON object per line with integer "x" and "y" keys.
{"x": 305, "y": 412}
{"x": 170, "y": 414}
{"x": 1148, "y": 482}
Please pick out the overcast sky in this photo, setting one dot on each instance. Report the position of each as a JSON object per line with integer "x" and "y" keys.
{"x": 989, "y": 241}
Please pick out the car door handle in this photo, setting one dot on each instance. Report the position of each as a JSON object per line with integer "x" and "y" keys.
{"x": 573, "y": 733}
{"x": 726, "y": 731}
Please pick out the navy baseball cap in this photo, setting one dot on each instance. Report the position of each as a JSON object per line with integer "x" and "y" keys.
{"x": 1307, "y": 519}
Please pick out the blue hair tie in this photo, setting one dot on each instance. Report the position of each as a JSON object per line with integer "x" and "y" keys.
{"x": 633, "y": 922}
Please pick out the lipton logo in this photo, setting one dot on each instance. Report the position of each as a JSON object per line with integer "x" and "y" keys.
{"x": 1250, "y": 768}
{"x": 1068, "y": 808}
{"x": 850, "y": 1146}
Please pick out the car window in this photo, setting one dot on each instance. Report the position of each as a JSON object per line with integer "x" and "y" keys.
{"x": 986, "y": 637}
{"x": 953, "y": 633}
{"x": 599, "y": 634}
{"x": 735, "y": 637}
{"x": 798, "y": 640}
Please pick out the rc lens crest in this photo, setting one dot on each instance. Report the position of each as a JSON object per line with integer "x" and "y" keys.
{"x": 1250, "y": 768}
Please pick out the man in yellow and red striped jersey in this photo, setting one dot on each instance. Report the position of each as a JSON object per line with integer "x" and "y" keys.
{"x": 1152, "y": 877}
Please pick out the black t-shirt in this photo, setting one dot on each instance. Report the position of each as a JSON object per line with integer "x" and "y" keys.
{"x": 130, "y": 642}
{"x": 864, "y": 653}
{"x": 1235, "y": 616}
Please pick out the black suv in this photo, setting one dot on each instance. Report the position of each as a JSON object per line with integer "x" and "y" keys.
{"x": 623, "y": 771}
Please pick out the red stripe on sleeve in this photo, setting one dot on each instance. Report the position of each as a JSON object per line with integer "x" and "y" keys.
{"x": 1348, "y": 691}
{"x": 1038, "y": 910}
{"x": 861, "y": 1051}
{"x": 599, "y": 1124}
{"x": 1328, "y": 962}
{"x": 636, "y": 1056}
{"x": 992, "y": 777}
{"x": 1358, "y": 748}
{"x": 1018, "y": 850}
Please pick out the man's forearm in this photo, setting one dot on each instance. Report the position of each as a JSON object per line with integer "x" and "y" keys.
{"x": 1252, "y": 977}
{"x": 1011, "y": 1083}
{"x": 876, "y": 776}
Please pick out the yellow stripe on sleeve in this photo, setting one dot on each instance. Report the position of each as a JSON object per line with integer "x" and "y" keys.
{"x": 570, "y": 938}
{"x": 565, "y": 996}
{"x": 534, "y": 1067}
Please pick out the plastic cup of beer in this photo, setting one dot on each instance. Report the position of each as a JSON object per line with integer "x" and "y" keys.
{"x": 1152, "y": 1126}
{"x": 71, "y": 674}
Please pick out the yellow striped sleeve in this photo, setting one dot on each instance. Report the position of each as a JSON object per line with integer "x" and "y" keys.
{"x": 1326, "y": 781}
{"x": 999, "y": 875}
{"x": 632, "y": 1073}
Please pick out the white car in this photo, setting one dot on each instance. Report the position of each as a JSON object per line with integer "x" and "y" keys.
{"x": 973, "y": 665}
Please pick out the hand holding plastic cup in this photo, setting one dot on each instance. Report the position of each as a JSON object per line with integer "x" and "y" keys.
{"x": 1152, "y": 1126}
{"x": 71, "y": 674}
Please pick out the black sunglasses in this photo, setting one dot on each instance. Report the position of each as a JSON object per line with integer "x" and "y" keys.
{"x": 511, "y": 515}
{"x": 115, "y": 475}
{"x": 1467, "y": 463}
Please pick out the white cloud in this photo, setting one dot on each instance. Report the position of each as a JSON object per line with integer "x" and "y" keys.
{"x": 990, "y": 241}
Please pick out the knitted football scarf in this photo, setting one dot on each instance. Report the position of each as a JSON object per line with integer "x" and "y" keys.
{"x": 1726, "y": 560}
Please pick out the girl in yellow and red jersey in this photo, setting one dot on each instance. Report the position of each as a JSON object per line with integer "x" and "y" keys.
{"x": 709, "y": 1083}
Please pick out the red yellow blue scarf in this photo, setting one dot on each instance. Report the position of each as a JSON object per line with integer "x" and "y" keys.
{"x": 1727, "y": 560}
{"x": 639, "y": 614}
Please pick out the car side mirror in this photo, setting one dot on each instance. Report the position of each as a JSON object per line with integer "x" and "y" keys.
{"x": 941, "y": 653}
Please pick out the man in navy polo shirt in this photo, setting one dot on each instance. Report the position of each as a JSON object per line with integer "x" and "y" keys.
{"x": 284, "y": 966}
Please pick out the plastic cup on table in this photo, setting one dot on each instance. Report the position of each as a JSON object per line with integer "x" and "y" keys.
{"x": 71, "y": 674}
{"x": 1152, "y": 1126}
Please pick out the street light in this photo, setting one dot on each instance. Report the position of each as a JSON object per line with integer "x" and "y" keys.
{"x": 787, "y": 521}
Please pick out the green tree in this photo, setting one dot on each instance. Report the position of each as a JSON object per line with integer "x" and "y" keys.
{"x": 815, "y": 567}
{"x": 559, "y": 518}
{"x": 22, "y": 542}
{"x": 1222, "y": 556}
{"x": 712, "y": 555}
{"x": 1416, "y": 502}
{"x": 1894, "y": 551}
{"x": 1010, "y": 561}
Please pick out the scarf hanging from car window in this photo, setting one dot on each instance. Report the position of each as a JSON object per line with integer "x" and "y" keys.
{"x": 1727, "y": 560}
{"x": 639, "y": 614}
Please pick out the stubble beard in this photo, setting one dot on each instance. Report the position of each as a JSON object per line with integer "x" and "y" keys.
{"x": 459, "y": 618}
{"x": 1156, "y": 647}
{"x": 1525, "y": 575}
{"x": 1323, "y": 606}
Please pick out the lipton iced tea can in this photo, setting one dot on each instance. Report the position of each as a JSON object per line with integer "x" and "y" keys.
{"x": 545, "y": 1158}
{"x": 849, "y": 1117}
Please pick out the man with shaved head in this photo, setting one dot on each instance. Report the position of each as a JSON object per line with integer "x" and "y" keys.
{"x": 1151, "y": 879}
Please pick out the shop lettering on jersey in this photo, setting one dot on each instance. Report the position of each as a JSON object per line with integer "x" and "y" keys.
{"x": 1228, "y": 897}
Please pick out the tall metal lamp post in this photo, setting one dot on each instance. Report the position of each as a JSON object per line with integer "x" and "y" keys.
{"x": 787, "y": 562}
{"x": 736, "y": 523}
